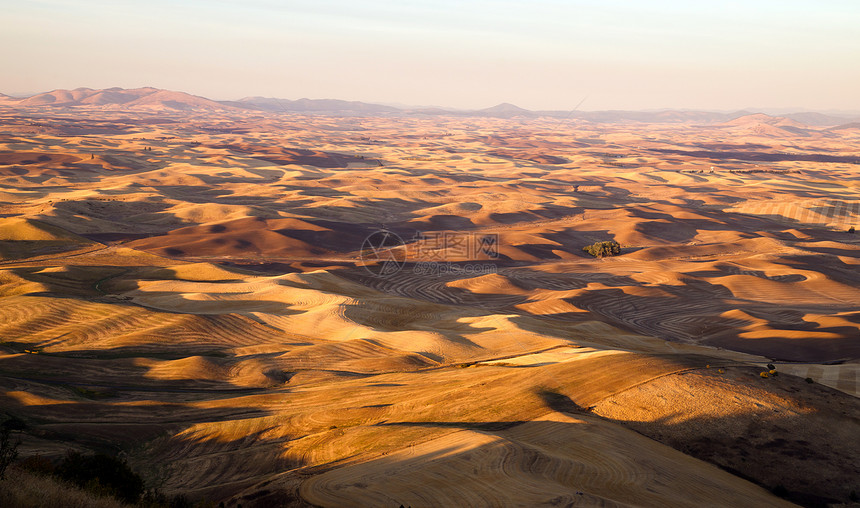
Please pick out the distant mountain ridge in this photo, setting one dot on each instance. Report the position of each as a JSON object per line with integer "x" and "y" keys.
{"x": 146, "y": 97}
{"x": 308, "y": 105}
{"x": 761, "y": 118}
{"x": 155, "y": 99}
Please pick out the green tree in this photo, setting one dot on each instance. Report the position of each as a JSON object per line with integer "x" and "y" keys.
{"x": 603, "y": 249}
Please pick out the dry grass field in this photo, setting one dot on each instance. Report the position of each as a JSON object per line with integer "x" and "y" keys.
{"x": 194, "y": 291}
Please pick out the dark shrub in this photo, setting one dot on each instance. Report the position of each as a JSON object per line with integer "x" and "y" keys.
{"x": 8, "y": 450}
{"x": 8, "y": 443}
{"x": 101, "y": 474}
{"x": 37, "y": 465}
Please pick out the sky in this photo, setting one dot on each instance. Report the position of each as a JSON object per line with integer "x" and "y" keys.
{"x": 541, "y": 54}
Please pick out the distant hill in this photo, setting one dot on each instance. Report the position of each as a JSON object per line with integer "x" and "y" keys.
{"x": 812, "y": 118}
{"x": 309, "y": 105}
{"x": 505, "y": 110}
{"x": 852, "y": 125}
{"x": 760, "y": 124}
{"x": 664, "y": 116}
{"x": 150, "y": 98}
{"x": 761, "y": 118}
{"x": 154, "y": 99}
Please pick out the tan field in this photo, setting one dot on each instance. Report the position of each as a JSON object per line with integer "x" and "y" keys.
{"x": 201, "y": 292}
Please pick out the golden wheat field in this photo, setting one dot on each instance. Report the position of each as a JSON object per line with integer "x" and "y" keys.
{"x": 307, "y": 310}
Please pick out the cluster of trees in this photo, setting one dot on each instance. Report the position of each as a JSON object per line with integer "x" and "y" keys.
{"x": 603, "y": 249}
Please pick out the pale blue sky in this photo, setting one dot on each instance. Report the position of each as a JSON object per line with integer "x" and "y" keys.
{"x": 542, "y": 54}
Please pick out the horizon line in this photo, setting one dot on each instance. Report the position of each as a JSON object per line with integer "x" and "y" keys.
{"x": 769, "y": 110}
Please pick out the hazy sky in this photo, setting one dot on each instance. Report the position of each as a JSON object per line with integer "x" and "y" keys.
{"x": 541, "y": 54}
